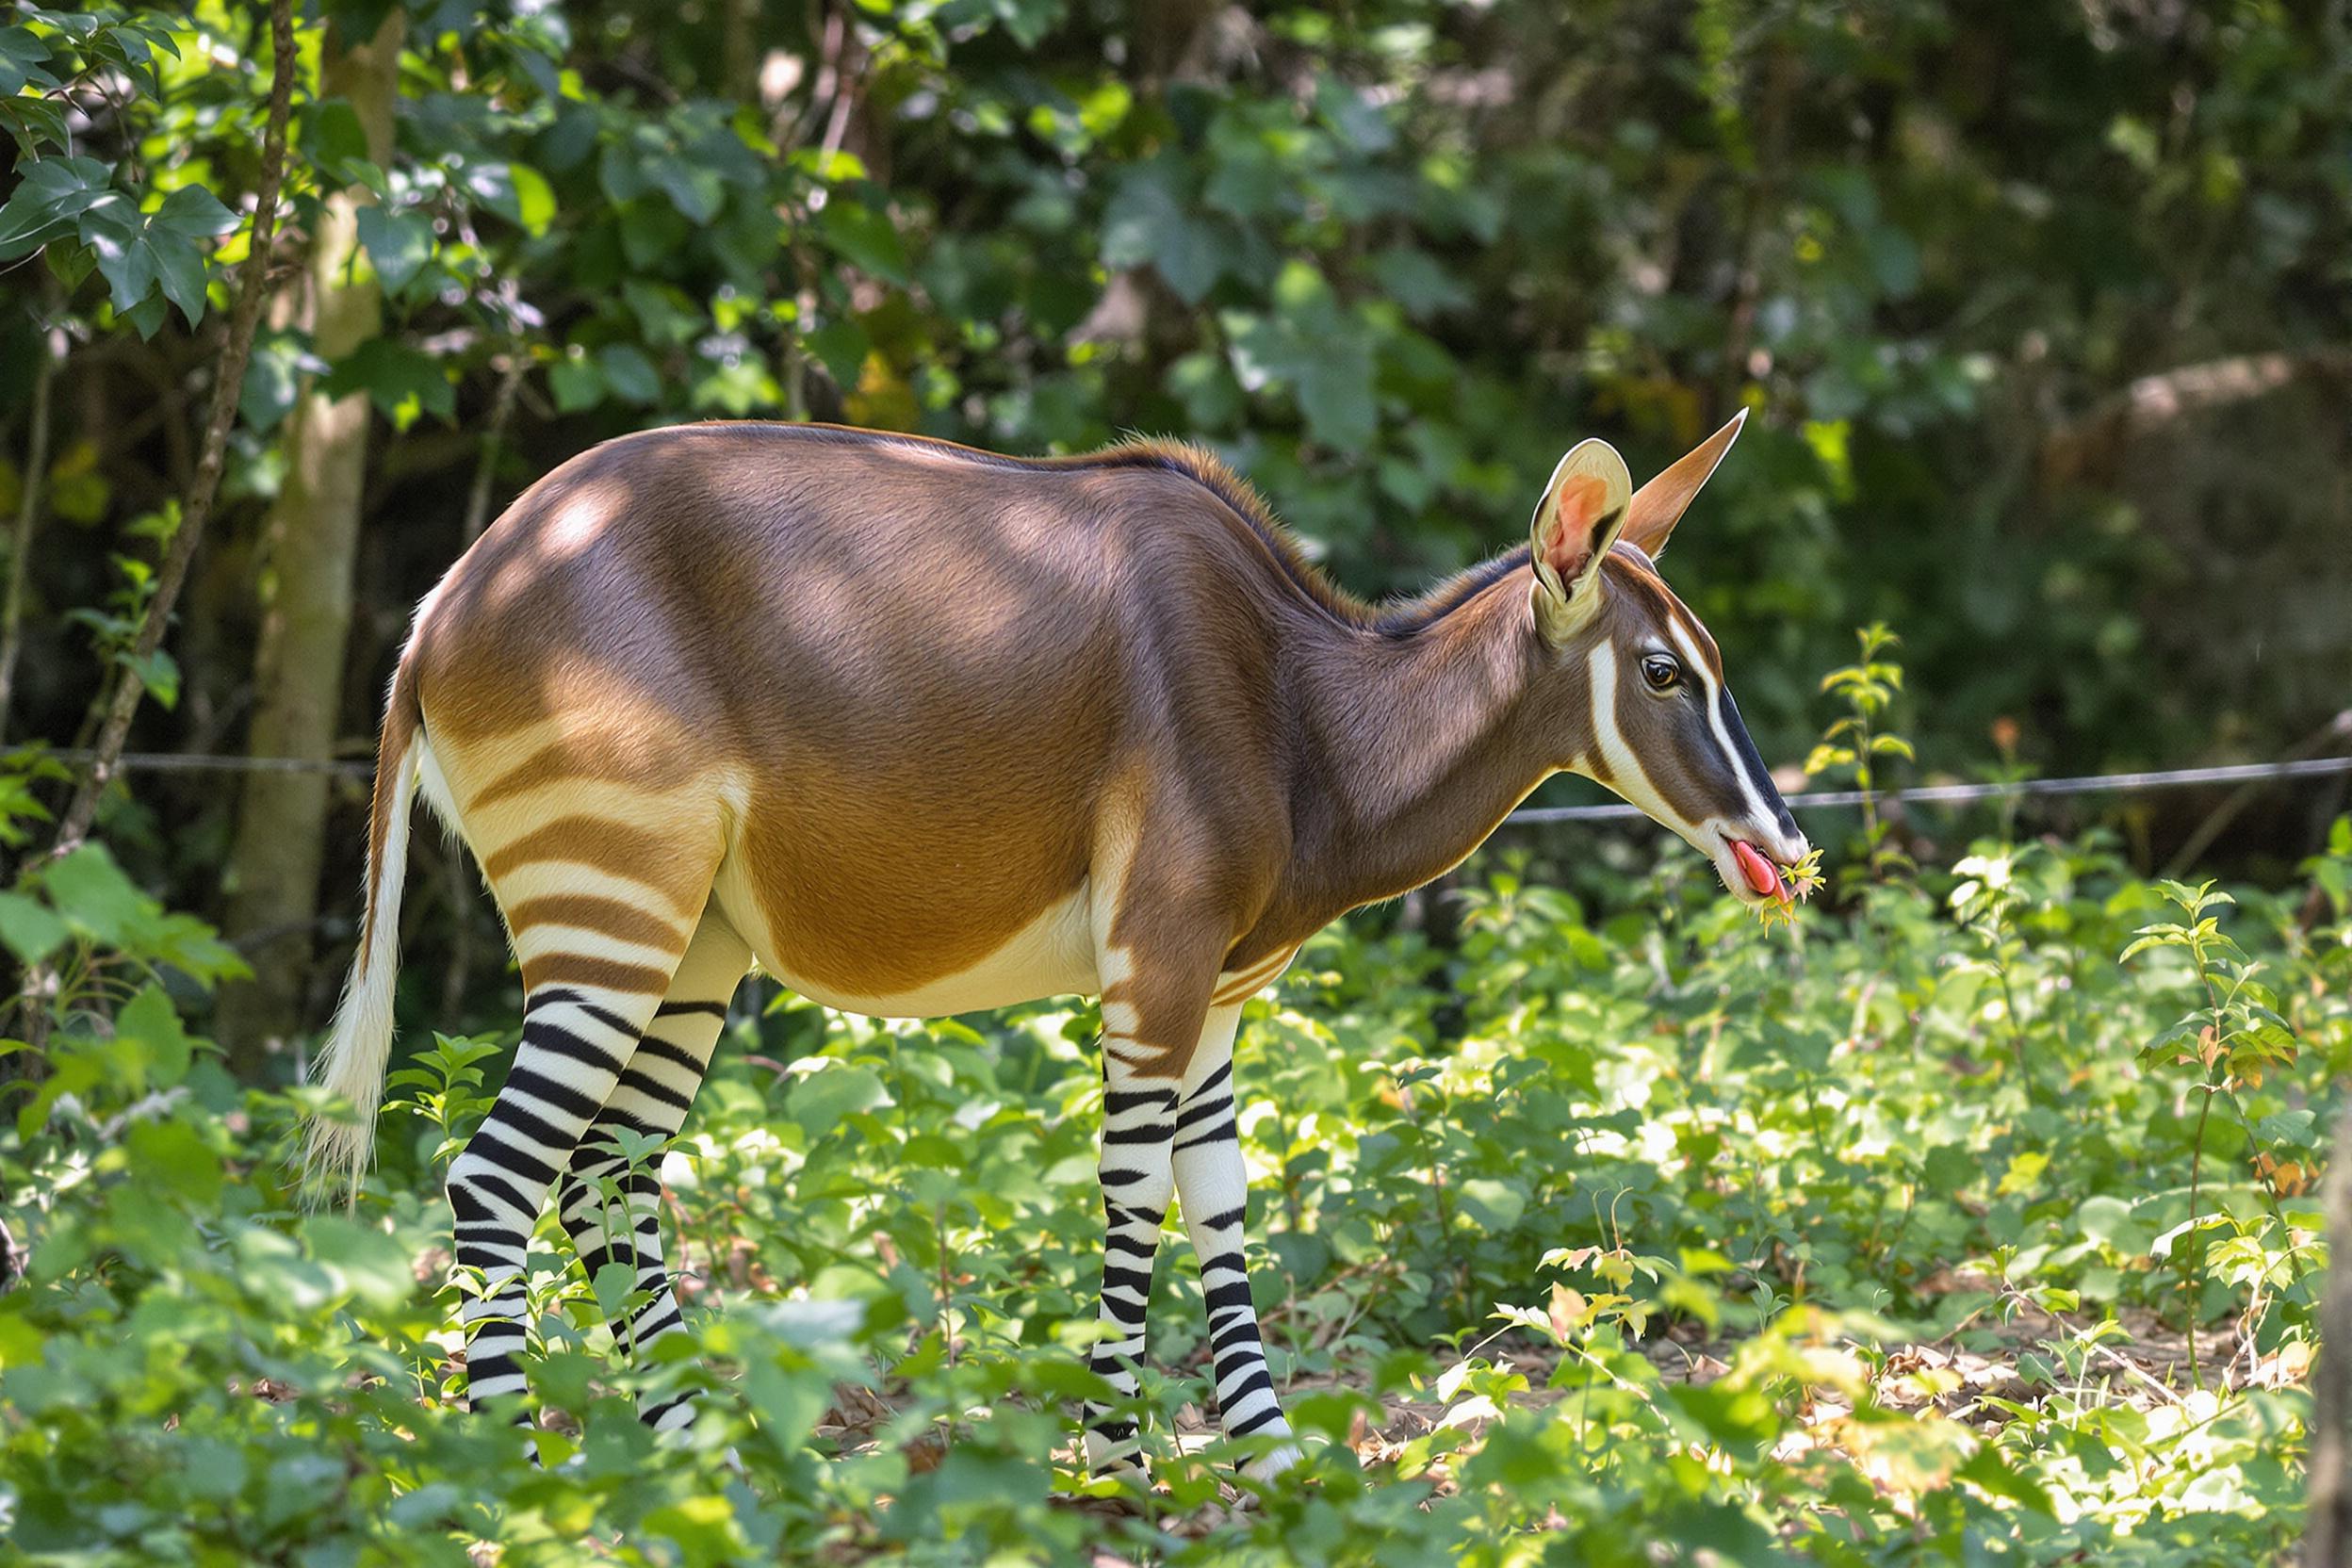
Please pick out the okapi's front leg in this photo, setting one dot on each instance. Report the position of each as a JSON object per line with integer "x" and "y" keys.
{"x": 1213, "y": 1187}
{"x": 1154, "y": 1016}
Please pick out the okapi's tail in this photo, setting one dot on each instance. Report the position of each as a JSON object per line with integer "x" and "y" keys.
{"x": 353, "y": 1065}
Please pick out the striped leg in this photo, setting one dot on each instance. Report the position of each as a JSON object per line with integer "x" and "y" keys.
{"x": 1140, "y": 1124}
{"x": 576, "y": 1040}
{"x": 1213, "y": 1189}
{"x": 613, "y": 1210}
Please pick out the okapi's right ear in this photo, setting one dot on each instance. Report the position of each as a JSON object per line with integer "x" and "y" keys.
{"x": 1582, "y": 512}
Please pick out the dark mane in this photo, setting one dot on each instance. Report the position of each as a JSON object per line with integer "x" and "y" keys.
{"x": 1397, "y": 619}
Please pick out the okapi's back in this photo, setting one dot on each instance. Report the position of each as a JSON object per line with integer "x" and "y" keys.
{"x": 688, "y": 566}
{"x": 895, "y": 677}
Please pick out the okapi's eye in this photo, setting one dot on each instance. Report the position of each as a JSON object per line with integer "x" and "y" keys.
{"x": 1661, "y": 670}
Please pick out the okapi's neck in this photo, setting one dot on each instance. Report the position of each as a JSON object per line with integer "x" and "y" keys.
{"x": 1421, "y": 741}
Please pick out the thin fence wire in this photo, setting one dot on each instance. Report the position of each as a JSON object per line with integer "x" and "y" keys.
{"x": 1955, "y": 795}
{"x": 172, "y": 762}
{"x": 1826, "y": 800}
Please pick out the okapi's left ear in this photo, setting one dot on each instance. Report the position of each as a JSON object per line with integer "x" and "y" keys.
{"x": 1664, "y": 500}
{"x": 1582, "y": 512}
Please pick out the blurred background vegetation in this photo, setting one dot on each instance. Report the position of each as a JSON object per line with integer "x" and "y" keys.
{"x": 2045, "y": 309}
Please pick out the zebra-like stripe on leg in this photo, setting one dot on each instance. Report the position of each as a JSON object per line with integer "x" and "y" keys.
{"x": 576, "y": 1043}
{"x": 1212, "y": 1184}
{"x": 1138, "y": 1124}
{"x": 650, "y": 1100}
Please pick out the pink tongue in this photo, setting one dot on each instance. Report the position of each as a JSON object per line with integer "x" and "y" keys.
{"x": 1757, "y": 870}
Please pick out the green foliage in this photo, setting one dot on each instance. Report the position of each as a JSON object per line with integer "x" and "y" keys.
{"x": 2232, "y": 1042}
{"x": 1615, "y": 1232}
{"x": 1854, "y": 741}
{"x": 1630, "y": 1227}
{"x": 149, "y": 245}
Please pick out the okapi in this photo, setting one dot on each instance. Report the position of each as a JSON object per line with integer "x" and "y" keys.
{"x": 918, "y": 729}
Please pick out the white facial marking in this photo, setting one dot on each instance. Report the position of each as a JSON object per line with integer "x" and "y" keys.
{"x": 1695, "y": 668}
{"x": 1627, "y": 776}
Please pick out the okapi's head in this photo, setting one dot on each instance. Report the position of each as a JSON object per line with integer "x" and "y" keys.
{"x": 1662, "y": 730}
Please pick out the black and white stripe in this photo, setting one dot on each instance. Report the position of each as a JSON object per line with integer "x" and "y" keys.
{"x": 593, "y": 1059}
{"x": 576, "y": 1044}
{"x": 1213, "y": 1186}
{"x": 1138, "y": 1126}
{"x": 611, "y": 1210}
{"x": 1161, "y": 1138}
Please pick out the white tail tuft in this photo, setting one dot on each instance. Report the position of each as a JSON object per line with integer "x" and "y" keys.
{"x": 353, "y": 1065}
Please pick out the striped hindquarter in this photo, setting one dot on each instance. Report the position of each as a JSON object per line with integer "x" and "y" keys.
{"x": 625, "y": 973}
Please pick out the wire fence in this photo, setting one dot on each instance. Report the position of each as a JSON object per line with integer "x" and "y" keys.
{"x": 1955, "y": 795}
{"x": 1824, "y": 800}
{"x": 172, "y": 762}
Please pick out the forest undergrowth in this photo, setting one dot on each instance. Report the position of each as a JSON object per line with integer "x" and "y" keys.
{"x": 1972, "y": 1219}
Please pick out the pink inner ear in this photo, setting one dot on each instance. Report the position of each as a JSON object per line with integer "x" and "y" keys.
{"x": 1568, "y": 543}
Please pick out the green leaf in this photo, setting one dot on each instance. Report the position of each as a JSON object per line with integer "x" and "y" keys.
{"x": 695, "y": 190}
{"x": 1989, "y": 1471}
{"x": 157, "y": 671}
{"x": 612, "y": 1285}
{"x": 146, "y": 318}
{"x": 1147, "y": 224}
{"x": 332, "y": 135}
{"x": 180, "y": 269}
{"x": 1414, "y": 280}
{"x": 2110, "y": 1219}
{"x": 170, "y": 1157}
{"x": 702, "y": 1530}
{"x": 535, "y": 199}
{"x": 1494, "y": 1206}
{"x": 194, "y": 213}
{"x": 1028, "y": 20}
{"x": 116, "y": 232}
{"x": 34, "y": 122}
{"x": 577, "y": 382}
{"x": 401, "y": 380}
{"x": 399, "y": 244}
{"x": 22, "y": 58}
{"x": 1334, "y": 392}
{"x": 96, "y": 899}
{"x": 864, "y": 239}
{"x": 273, "y": 378}
{"x": 630, "y": 373}
{"x": 842, "y": 344}
{"x": 29, "y": 929}
{"x": 50, "y": 197}
{"x": 821, "y": 1100}
{"x": 151, "y": 1024}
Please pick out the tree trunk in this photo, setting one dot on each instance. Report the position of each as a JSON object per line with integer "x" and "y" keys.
{"x": 28, "y": 518}
{"x": 312, "y": 538}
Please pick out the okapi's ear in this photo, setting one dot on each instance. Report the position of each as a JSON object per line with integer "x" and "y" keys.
{"x": 1582, "y": 512}
{"x": 1663, "y": 501}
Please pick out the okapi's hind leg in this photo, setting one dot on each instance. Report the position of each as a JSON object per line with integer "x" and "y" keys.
{"x": 601, "y": 911}
{"x": 611, "y": 1207}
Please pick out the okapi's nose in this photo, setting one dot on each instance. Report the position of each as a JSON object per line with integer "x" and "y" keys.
{"x": 1759, "y": 836}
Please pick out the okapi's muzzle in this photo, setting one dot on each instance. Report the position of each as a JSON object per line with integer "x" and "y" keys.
{"x": 1755, "y": 859}
{"x": 1722, "y": 799}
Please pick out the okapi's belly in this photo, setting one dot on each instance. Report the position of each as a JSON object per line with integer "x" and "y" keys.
{"x": 1052, "y": 956}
